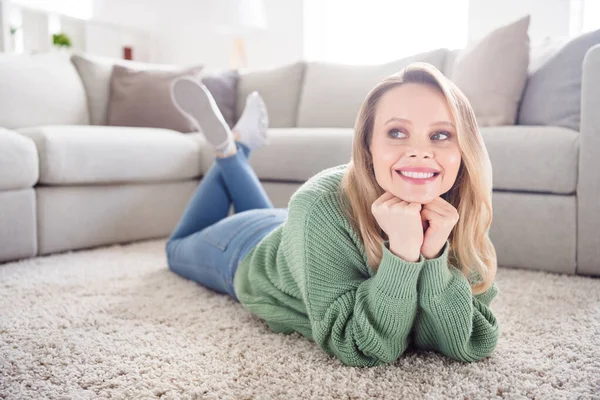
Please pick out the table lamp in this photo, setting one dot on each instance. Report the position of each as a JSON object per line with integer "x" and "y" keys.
{"x": 245, "y": 17}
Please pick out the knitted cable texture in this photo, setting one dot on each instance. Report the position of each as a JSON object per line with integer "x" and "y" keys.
{"x": 310, "y": 275}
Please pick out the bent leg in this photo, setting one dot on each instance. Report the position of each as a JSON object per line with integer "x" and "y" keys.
{"x": 211, "y": 256}
{"x": 209, "y": 204}
{"x": 243, "y": 185}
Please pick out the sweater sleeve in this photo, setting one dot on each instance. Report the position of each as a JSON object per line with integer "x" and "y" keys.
{"x": 361, "y": 320}
{"x": 451, "y": 319}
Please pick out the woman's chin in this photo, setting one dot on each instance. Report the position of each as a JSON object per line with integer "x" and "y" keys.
{"x": 414, "y": 195}
{"x": 412, "y": 198}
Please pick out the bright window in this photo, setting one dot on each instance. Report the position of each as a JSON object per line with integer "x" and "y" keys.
{"x": 591, "y": 16}
{"x": 74, "y": 8}
{"x": 378, "y": 31}
{"x": 585, "y": 16}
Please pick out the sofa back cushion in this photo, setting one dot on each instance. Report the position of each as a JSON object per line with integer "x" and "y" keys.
{"x": 280, "y": 89}
{"x": 333, "y": 93}
{"x": 450, "y": 60}
{"x": 552, "y": 95}
{"x": 40, "y": 89}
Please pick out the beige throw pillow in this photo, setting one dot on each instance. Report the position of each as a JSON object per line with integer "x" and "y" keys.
{"x": 143, "y": 98}
{"x": 492, "y": 73}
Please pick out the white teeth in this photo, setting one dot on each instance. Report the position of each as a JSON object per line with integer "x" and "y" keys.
{"x": 417, "y": 175}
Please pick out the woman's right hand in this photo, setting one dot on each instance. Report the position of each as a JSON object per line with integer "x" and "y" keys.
{"x": 401, "y": 221}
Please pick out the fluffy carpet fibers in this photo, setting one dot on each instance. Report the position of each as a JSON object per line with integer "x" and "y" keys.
{"x": 115, "y": 323}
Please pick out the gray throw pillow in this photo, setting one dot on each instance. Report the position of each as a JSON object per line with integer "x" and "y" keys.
{"x": 143, "y": 99}
{"x": 223, "y": 87}
{"x": 552, "y": 95}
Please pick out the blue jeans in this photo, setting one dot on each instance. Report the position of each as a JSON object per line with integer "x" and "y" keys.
{"x": 208, "y": 243}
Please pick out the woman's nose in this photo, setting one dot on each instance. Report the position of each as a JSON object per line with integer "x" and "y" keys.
{"x": 420, "y": 148}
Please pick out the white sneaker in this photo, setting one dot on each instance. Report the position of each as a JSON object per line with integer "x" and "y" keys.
{"x": 194, "y": 101}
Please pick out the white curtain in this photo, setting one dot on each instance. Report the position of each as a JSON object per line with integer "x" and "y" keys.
{"x": 585, "y": 16}
{"x": 378, "y": 31}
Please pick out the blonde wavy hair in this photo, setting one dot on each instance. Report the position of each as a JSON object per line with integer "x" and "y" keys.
{"x": 471, "y": 249}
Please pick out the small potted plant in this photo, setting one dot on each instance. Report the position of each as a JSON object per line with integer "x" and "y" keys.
{"x": 61, "y": 41}
{"x": 13, "y": 37}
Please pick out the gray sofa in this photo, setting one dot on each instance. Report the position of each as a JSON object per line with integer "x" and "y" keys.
{"x": 67, "y": 185}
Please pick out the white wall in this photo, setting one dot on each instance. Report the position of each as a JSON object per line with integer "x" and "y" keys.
{"x": 548, "y": 17}
{"x": 73, "y": 8}
{"x": 185, "y": 32}
{"x": 35, "y": 26}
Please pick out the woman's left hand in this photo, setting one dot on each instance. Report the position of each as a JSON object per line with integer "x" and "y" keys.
{"x": 441, "y": 217}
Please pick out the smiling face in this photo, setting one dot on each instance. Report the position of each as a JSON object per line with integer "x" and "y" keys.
{"x": 414, "y": 128}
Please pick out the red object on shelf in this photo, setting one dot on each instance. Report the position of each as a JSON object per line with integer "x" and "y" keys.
{"x": 127, "y": 53}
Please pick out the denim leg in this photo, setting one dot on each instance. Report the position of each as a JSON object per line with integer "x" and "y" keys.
{"x": 206, "y": 246}
{"x": 245, "y": 149}
{"x": 211, "y": 200}
{"x": 242, "y": 183}
{"x": 208, "y": 205}
{"x": 211, "y": 256}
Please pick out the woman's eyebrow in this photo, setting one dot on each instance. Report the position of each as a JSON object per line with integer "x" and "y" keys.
{"x": 399, "y": 120}
{"x": 447, "y": 123}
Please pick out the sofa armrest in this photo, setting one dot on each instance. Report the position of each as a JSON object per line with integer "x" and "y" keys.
{"x": 588, "y": 184}
{"x": 19, "y": 161}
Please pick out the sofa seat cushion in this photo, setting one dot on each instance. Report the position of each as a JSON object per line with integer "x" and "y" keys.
{"x": 101, "y": 154}
{"x": 533, "y": 158}
{"x": 528, "y": 158}
{"x": 18, "y": 161}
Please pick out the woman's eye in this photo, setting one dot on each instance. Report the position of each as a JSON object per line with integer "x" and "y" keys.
{"x": 446, "y": 133}
{"x": 397, "y": 133}
{"x": 394, "y": 133}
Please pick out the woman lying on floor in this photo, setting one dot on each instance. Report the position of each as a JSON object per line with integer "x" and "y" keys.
{"x": 370, "y": 257}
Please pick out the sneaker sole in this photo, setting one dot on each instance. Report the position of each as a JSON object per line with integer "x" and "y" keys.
{"x": 199, "y": 106}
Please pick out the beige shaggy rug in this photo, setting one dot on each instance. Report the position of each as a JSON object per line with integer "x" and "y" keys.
{"x": 115, "y": 323}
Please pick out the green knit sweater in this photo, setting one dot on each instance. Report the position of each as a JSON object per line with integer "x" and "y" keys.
{"x": 310, "y": 275}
